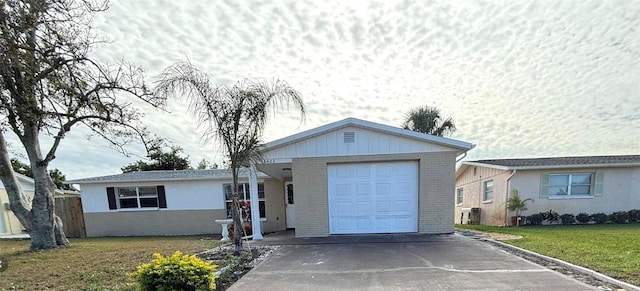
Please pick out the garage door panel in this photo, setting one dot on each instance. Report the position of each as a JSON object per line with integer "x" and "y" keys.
{"x": 363, "y": 189}
{"x": 401, "y": 207}
{"x": 362, "y": 171}
{"x": 383, "y": 172}
{"x": 362, "y": 223}
{"x": 383, "y": 207}
{"x": 343, "y": 172}
{"x": 404, "y": 188}
{"x": 373, "y": 197}
{"x": 383, "y": 188}
{"x": 343, "y": 190}
{"x": 405, "y": 170}
{"x": 362, "y": 207}
{"x": 343, "y": 224}
{"x": 343, "y": 208}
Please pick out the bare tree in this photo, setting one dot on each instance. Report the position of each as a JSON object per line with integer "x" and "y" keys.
{"x": 49, "y": 85}
{"x": 235, "y": 115}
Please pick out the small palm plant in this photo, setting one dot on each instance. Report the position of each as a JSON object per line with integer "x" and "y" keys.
{"x": 515, "y": 203}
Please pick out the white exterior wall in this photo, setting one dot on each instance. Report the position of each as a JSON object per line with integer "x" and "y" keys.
{"x": 621, "y": 192}
{"x": 9, "y": 223}
{"x": 181, "y": 195}
{"x": 367, "y": 142}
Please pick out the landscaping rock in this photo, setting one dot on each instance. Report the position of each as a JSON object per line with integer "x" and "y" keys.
{"x": 231, "y": 267}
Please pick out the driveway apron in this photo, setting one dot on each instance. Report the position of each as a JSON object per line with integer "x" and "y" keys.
{"x": 445, "y": 262}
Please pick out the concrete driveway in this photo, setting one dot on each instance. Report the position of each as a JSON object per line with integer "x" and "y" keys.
{"x": 412, "y": 262}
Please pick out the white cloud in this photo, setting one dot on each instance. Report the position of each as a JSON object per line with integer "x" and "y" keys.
{"x": 521, "y": 78}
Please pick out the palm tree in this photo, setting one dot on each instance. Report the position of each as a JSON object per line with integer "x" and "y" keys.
{"x": 428, "y": 120}
{"x": 515, "y": 203}
{"x": 234, "y": 115}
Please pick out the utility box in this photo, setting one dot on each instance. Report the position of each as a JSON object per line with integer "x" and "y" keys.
{"x": 474, "y": 217}
{"x": 465, "y": 216}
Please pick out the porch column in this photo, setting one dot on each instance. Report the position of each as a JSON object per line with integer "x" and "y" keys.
{"x": 255, "y": 204}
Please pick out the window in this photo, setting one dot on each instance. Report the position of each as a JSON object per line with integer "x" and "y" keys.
{"x": 570, "y": 184}
{"x": 460, "y": 196}
{"x": 488, "y": 190}
{"x": 244, "y": 193}
{"x": 136, "y": 197}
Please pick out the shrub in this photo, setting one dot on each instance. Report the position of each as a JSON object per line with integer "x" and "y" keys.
{"x": 600, "y": 218}
{"x": 551, "y": 216}
{"x": 568, "y": 218}
{"x": 583, "y": 217}
{"x": 618, "y": 217}
{"x": 633, "y": 215}
{"x": 177, "y": 272}
{"x": 535, "y": 219}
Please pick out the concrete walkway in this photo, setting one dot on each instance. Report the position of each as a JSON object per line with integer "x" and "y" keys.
{"x": 15, "y": 236}
{"x": 397, "y": 262}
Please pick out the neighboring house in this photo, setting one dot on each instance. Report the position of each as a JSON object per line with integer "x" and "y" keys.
{"x": 9, "y": 223}
{"x": 589, "y": 184}
{"x": 350, "y": 176}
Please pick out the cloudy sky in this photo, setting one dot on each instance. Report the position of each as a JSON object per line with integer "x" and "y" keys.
{"x": 519, "y": 78}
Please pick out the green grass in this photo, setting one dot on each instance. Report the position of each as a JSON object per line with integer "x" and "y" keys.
{"x": 612, "y": 249}
{"x": 89, "y": 263}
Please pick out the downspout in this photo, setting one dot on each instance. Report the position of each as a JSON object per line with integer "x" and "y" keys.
{"x": 464, "y": 155}
{"x": 506, "y": 211}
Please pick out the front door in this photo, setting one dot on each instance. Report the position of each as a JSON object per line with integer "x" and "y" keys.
{"x": 290, "y": 208}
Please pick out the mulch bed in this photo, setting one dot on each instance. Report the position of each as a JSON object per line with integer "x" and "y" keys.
{"x": 232, "y": 267}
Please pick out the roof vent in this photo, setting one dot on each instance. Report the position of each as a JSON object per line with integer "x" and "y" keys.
{"x": 349, "y": 137}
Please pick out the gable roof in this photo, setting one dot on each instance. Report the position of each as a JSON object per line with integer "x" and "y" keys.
{"x": 347, "y": 122}
{"x": 168, "y": 175}
{"x": 555, "y": 163}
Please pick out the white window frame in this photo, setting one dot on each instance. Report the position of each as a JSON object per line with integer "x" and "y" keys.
{"x": 459, "y": 196}
{"x": 244, "y": 193}
{"x": 570, "y": 185}
{"x": 137, "y": 198}
{"x": 486, "y": 190}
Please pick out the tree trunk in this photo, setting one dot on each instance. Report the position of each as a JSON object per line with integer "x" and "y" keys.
{"x": 47, "y": 230}
{"x": 38, "y": 218}
{"x": 58, "y": 231}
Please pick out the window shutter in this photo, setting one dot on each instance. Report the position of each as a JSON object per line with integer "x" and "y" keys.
{"x": 111, "y": 197}
{"x": 544, "y": 185}
{"x": 599, "y": 183}
{"x": 162, "y": 197}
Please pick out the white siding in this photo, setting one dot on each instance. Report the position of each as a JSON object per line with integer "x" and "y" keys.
{"x": 367, "y": 142}
{"x": 181, "y": 195}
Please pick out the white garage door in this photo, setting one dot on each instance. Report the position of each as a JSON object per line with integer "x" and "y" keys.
{"x": 373, "y": 197}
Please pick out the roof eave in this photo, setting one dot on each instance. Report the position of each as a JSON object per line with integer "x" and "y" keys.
{"x": 456, "y": 144}
{"x": 615, "y": 165}
{"x": 264, "y": 176}
{"x": 574, "y": 166}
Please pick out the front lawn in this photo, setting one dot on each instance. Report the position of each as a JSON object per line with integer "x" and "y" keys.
{"x": 612, "y": 249}
{"x": 89, "y": 263}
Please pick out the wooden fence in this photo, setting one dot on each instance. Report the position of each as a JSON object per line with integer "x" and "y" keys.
{"x": 69, "y": 209}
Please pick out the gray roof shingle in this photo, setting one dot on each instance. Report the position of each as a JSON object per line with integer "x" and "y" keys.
{"x": 141, "y": 176}
{"x": 564, "y": 161}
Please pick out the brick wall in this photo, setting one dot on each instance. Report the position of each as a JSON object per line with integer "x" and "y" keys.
{"x": 436, "y": 185}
